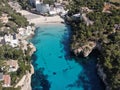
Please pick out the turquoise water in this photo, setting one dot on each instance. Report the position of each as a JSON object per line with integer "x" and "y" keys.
{"x": 54, "y": 69}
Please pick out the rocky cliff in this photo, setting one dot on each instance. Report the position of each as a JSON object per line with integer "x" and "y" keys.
{"x": 85, "y": 49}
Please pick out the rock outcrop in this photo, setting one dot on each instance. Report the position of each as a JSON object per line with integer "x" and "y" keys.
{"x": 27, "y": 32}
{"x": 25, "y": 82}
{"x": 85, "y": 49}
{"x": 33, "y": 49}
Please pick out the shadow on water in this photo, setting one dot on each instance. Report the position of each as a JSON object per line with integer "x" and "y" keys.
{"x": 66, "y": 42}
{"x": 39, "y": 80}
{"x": 88, "y": 78}
{"x": 34, "y": 57}
{"x": 92, "y": 81}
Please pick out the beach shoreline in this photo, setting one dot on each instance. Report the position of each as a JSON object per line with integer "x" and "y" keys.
{"x": 38, "y": 20}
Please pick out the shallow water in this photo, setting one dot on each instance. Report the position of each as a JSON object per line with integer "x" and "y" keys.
{"x": 54, "y": 69}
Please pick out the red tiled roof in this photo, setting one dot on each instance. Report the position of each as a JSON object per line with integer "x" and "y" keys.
{"x": 7, "y": 80}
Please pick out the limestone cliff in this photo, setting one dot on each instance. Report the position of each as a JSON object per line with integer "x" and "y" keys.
{"x": 85, "y": 49}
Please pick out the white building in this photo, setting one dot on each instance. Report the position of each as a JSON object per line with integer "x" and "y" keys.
{"x": 14, "y": 43}
{"x": 9, "y": 39}
{"x": 33, "y": 2}
{"x": 42, "y": 8}
{"x": 24, "y": 32}
{"x": 58, "y": 9}
{"x": 52, "y": 11}
{"x": 38, "y": 5}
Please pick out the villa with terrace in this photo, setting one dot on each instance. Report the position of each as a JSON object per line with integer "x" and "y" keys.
{"x": 11, "y": 40}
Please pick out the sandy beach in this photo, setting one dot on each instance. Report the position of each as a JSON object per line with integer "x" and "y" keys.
{"x": 39, "y": 19}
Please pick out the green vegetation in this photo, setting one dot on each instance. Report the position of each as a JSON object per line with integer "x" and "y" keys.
{"x": 25, "y": 4}
{"x": 103, "y": 32}
{"x": 24, "y": 59}
{"x": 7, "y": 52}
{"x": 118, "y": 1}
{"x": 15, "y": 21}
{"x": 16, "y": 76}
{"x": 11, "y": 88}
{"x": 20, "y": 20}
{"x": 1, "y": 25}
{"x": 0, "y": 85}
{"x": 50, "y": 2}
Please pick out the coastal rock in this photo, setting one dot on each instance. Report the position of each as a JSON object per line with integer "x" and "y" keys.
{"x": 33, "y": 49}
{"x": 25, "y": 82}
{"x": 85, "y": 49}
{"x": 23, "y": 35}
{"x": 77, "y": 51}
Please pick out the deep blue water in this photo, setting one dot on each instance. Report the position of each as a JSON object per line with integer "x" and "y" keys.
{"x": 54, "y": 69}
